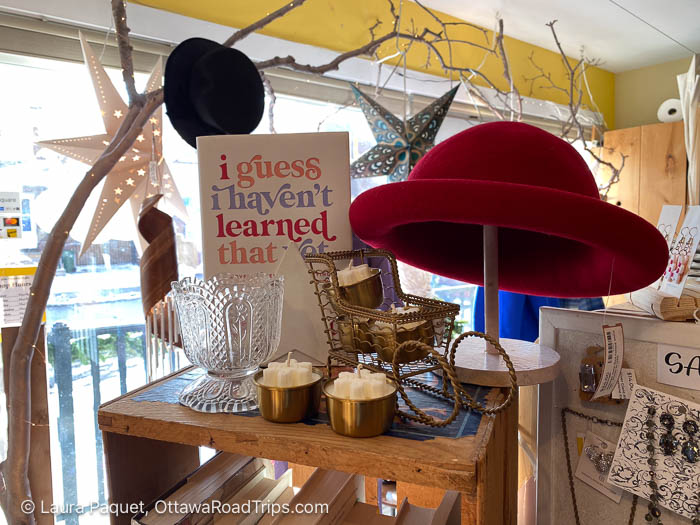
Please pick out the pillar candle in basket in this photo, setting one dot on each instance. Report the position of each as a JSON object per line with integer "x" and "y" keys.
{"x": 361, "y": 385}
{"x": 353, "y": 274}
{"x": 383, "y": 326}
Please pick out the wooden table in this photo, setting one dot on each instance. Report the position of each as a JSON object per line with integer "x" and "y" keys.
{"x": 149, "y": 446}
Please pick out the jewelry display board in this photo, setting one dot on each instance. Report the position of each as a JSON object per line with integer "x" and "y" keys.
{"x": 570, "y": 333}
{"x": 677, "y": 478}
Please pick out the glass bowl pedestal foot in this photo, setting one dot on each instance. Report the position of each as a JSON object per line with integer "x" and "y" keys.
{"x": 220, "y": 393}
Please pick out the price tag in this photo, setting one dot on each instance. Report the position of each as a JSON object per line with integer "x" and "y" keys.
{"x": 625, "y": 384}
{"x": 613, "y": 337}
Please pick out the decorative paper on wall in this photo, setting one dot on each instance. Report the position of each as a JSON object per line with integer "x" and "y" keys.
{"x": 400, "y": 145}
{"x": 678, "y": 480}
{"x": 261, "y": 193}
{"x": 134, "y": 178}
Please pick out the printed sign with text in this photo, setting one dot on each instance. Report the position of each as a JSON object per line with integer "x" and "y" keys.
{"x": 262, "y": 193}
{"x": 678, "y": 366}
{"x": 9, "y": 202}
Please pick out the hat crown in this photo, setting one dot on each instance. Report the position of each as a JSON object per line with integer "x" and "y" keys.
{"x": 211, "y": 89}
{"x": 508, "y": 152}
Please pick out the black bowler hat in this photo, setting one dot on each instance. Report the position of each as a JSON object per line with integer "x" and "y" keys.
{"x": 211, "y": 89}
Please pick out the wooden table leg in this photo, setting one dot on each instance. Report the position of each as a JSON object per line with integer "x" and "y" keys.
{"x": 139, "y": 470}
{"x": 497, "y": 480}
{"x": 431, "y": 498}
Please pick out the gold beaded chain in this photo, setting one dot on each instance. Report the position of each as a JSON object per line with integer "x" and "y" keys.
{"x": 461, "y": 396}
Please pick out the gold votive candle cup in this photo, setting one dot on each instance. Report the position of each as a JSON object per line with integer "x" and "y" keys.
{"x": 354, "y": 335}
{"x": 368, "y": 293}
{"x": 385, "y": 340}
{"x": 360, "y": 418}
{"x": 288, "y": 404}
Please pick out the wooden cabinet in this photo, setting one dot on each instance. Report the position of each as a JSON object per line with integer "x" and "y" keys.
{"x": 151, "y": 441}
{"x": 662, "y": 168}
{"x": 655, "y": 168}
{"x": 617, "y": 143}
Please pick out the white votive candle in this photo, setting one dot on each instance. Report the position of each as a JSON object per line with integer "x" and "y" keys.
{"x": 302, "y": 376}
{"x": 357, "y": 389}
{"x": 341, "y": 387}
{"x": 361, "y": 272}
{"x": 285, "y": 377}
{"x": 375, "y": 389}
{"x": 289, "y": 373}
{"x": 377, "y": 377}
{"x": 354, "y": 274}
{"x": 270, "y": 376}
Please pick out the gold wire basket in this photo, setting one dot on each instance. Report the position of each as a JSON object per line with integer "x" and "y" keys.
{"x": 371, "y": 335}
{"x": 402, "y": 345}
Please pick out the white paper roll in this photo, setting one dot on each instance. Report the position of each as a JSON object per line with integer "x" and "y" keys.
{"x": 670, "y": 110}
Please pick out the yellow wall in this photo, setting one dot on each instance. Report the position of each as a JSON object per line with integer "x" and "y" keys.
{"x": 640, "y": 92}
{"x": 342, "y": 25}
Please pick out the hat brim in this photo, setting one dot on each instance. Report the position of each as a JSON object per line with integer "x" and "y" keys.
{"x": 176, "y": 89}
{"x": 551, "y": 242}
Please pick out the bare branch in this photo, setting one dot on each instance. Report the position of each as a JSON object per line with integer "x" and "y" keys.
{"x": 19, "y": 420}
{"x": 374, "y": 27}
{"x": 476, "y": 93}
{"x": 125, "y": 50}
{"x": 444, "y": 24}
{"x": 604, "y": 189}
{"x": 290, "y": 62}
{"x": 242, "y": 33}
{"x": 272, "y": 99}
{"x": 575, "y": 102}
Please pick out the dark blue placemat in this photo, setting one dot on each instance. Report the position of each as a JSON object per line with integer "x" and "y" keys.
{"x": 466, "y": 423}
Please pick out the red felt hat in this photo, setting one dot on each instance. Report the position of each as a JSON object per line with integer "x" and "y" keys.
{"x": 557, "y": 238}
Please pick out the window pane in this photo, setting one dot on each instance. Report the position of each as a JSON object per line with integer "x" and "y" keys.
{"x": 95, "y": 325}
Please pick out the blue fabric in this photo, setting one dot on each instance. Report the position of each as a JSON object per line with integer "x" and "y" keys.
{"x": 588, "y": 304}
{"x": 519, "y": 314}
{"x": 465, "y": 424}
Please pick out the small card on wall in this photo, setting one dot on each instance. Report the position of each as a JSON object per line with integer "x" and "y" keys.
{"x": 678, "y": 366}
{"x": 262, "y": 193}
{"x": 587, "y": 471}
{"x": 682, "y": 252}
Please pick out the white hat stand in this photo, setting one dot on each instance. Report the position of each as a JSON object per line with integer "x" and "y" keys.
{"x": 477, "y": 362}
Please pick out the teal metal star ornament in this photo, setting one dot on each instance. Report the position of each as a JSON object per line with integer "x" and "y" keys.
{"x": 399, "y": 145}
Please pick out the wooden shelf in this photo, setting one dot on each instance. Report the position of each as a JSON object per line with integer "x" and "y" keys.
{"x": 150, "y": 445}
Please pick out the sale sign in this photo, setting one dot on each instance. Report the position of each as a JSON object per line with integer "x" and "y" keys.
{"x": 262, "y": 193}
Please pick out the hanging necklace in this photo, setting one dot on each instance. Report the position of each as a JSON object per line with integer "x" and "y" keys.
{"x": 668, "y": 448}
{"x": 572, "y": 488}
